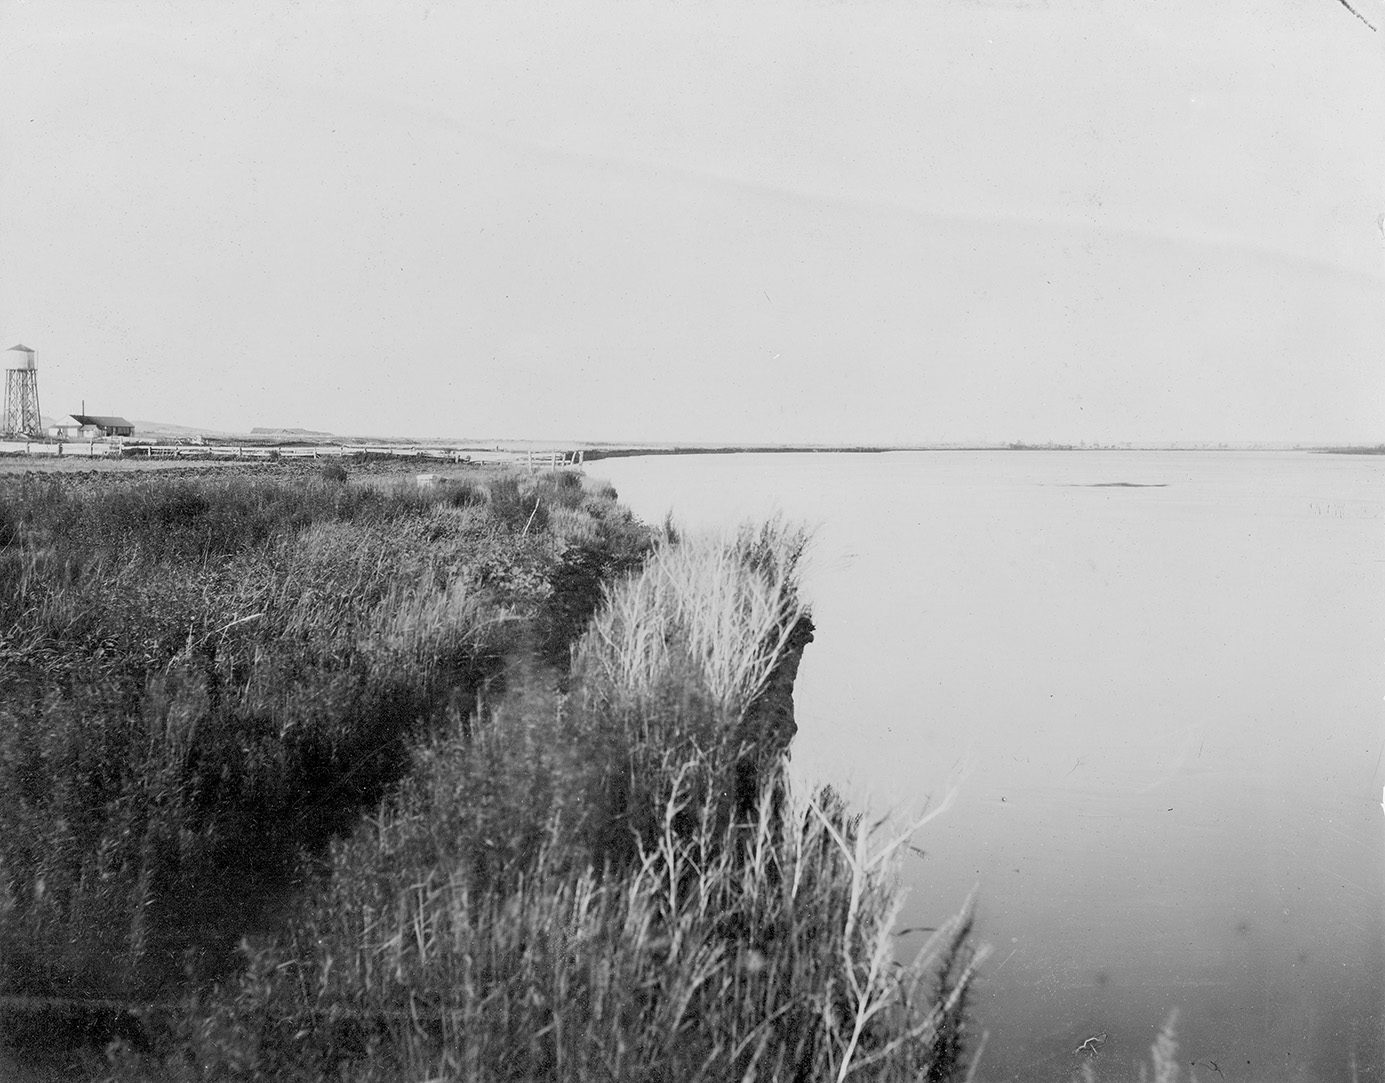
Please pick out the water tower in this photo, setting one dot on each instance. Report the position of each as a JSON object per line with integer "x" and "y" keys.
{"x": 21, "y": 396}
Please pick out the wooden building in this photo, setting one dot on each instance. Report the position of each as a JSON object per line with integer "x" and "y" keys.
{"x": 90, "y": 427}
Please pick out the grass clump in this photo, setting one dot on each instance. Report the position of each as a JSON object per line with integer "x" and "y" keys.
{"x": 719, "y": 614}
{"x": 334, "y": 471}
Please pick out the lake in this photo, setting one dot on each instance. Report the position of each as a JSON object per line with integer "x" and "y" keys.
{"x": 1155, "y": 680}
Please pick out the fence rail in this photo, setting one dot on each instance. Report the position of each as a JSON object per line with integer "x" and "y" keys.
{"x": 102, "y": 449}
{"x": 87, "y": 448}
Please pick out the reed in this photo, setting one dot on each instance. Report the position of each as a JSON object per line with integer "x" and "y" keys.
{"x": 462, "y": 770}
{"x": 762, "y": 950}
{"x": 571, "y": 890}
{"x": 724, "y": 607}
{"x": 203, "y": 679}
{"x": 1163, "y": 1053}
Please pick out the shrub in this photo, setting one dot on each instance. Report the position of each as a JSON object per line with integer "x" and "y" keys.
{"x": 334, "y": 472}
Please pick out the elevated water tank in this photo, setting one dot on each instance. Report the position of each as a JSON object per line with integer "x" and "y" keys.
{"x": 26, "y": 359}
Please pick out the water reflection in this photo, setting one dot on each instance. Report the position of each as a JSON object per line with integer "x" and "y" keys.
{"x": 1156, "y": 679}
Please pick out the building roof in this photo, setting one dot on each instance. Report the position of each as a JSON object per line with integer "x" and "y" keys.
{"x": 21, "y": 347}
{"x": 102, "y": 422}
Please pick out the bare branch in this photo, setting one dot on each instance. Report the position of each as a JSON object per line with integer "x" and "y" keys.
{"x": 1356, "y": 13}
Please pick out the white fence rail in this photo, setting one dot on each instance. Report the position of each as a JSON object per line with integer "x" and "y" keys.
{"x": 97, "y": 449}
{"x": 89, "y": 449}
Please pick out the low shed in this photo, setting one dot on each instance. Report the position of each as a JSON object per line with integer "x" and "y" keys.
{"x": 107, "y": 426}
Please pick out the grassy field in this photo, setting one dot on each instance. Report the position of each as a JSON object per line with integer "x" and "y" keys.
{"x": 309, "y": 775}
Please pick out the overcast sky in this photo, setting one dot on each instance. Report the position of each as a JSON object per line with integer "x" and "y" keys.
{"x": 812, "y": 220}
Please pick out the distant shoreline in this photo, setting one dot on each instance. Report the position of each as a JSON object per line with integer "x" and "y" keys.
{"x": 602, "y": 452}
{"x": 191, "y": 445}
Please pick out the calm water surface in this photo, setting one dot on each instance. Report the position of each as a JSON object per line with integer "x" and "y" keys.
{"x": 1156, "y": 681}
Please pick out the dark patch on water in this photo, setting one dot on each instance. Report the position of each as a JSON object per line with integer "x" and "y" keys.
{"x": 1122, "y": 485}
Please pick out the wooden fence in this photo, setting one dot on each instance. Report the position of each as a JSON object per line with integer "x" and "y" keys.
{"x": 553, "y": 460}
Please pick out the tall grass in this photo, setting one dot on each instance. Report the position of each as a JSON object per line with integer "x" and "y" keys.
{"x": 724, "y": 608}
{"x": 202, "y": 680}
{"x": 760, "y": 951}
{"x": 1164, "y": 1066}
{"x": 678, "y": 663}
{"x": 483, "y": 787}
{"x": 574, "y": 890}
